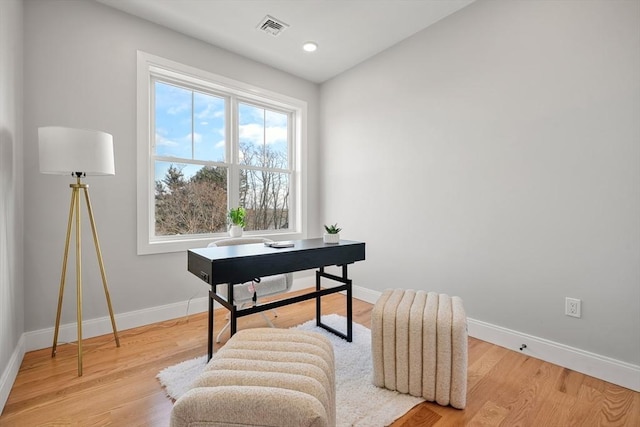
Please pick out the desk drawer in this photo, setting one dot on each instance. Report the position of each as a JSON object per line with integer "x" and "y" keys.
{"x": 199, "y": 266}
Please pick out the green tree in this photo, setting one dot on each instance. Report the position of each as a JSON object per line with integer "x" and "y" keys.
{"x": 264, "y": 192}
{"x": 195, "y": 206}
{"x": 198, "y": 205}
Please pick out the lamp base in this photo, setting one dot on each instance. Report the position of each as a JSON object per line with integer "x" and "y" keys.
{"x": 74, "y": 211}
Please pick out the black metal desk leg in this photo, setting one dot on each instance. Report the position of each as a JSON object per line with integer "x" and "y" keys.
{"x": 349, "y": 304}
{"x": 232, "y": 312}
{"x": 318, "y": 300}
{"x": 210, "y": 327}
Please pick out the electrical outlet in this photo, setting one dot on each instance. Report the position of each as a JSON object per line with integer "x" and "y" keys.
{"x": 572, "y": 307}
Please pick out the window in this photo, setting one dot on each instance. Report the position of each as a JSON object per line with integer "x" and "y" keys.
{"x": 206, "y": 144}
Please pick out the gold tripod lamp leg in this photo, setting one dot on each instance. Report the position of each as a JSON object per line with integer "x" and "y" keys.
{"x": 64, "y": 272}
{"x": 101, "y": 263}
{"x": 75, "y": 210}
{"x": 78, "y": 280}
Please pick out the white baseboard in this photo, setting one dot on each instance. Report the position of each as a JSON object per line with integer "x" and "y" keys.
{"x": 602, "y": 367}
{"x": 42, "y": 338}
{"x": 608, "y": 369}
{"x": 366, "y": 295}
{"x": 11, "y": 372}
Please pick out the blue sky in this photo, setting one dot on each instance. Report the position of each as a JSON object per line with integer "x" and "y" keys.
{"x": 191, "y": 125}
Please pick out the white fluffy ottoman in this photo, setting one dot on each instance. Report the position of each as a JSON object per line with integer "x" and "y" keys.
{"x": 264, "y": 377}
{"x": 419, "y": 345}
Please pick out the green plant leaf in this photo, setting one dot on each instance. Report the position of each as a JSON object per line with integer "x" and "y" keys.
{"x": 237, "y": 216}
{"x": 332, "y": 229}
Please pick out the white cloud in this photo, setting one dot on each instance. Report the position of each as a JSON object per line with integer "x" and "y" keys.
{"x": 276, "y": 134}
{"x": 276, "y": 119}
{"x": 179, "y": 142}
{"x": 165, "y": 142}
{"x": 174, "y": 110}
{"x": 254, "y": 133}
{"x": 212, "y": 110}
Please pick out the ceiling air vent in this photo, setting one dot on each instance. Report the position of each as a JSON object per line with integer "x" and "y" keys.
{"x": 272, "y": 26}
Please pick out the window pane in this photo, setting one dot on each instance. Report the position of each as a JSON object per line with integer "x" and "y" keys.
{"x": 263, "y": 137}
{"x": 277, "y": 136}
{"x": 173, "y": 121}
{"x": 265, "y": 196}
{"x": 250, "y": 134}
{"x": 209, "y": 127}
{"x": 190, "y": 199}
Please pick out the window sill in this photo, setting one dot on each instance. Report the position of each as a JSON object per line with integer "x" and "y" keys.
{"x": 182, "y": 245}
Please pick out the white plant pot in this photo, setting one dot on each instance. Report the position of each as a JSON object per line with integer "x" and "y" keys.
{"x": 235, "y": 231}
{"x": 331, "y": 238}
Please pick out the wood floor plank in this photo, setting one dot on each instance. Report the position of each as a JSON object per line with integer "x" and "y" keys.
{"x": 490, "y": 414}
{"x": 119, "y": 385}
{"x": 420, "y": 415}
{"x": 570, "y": 382}
{"x": 535, "y": 380}
{"x": 617, "y": 403}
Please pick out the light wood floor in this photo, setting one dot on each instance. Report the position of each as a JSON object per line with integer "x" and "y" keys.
{"x": 119, "y": 387}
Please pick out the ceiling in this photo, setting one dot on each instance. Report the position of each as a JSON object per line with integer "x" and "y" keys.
{"x": 346, "y": 31}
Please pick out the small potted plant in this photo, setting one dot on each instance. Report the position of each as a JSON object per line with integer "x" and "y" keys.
{"x": 332, "y": 234}
{"x": 237, "y": 218}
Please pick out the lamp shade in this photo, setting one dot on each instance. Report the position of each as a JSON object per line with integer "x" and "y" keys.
{"x": 65, "y": 151}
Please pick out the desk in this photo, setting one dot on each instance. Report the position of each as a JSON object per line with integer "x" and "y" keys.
{"x": 229, "y": 265}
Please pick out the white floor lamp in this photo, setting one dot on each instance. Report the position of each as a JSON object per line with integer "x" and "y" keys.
{"x": 77, "y": 152}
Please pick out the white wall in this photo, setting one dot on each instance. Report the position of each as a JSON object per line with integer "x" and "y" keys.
{"x": 495, "y": 156}
{"x": 80, "y": 71}
{"x": 11, "y": 201}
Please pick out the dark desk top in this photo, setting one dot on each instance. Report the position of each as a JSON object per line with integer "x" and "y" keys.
{"x": 241, "y": 263}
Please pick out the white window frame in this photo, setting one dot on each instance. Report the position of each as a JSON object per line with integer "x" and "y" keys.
{"x": 149, "y": 66}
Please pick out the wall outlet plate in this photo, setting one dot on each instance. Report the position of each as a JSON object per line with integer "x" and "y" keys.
{"x": 572, "y": 307}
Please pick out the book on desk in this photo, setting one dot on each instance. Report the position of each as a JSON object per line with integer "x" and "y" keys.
{"x": 286, "y": 244}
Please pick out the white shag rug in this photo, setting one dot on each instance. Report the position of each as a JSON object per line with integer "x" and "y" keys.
{"x": 358, "y": 402}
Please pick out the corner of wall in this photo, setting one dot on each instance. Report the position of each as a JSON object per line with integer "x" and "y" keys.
{"x": 10, "y": 373}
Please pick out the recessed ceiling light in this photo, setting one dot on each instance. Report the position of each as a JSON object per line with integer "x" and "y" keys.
{"x": 310, "y": 46}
